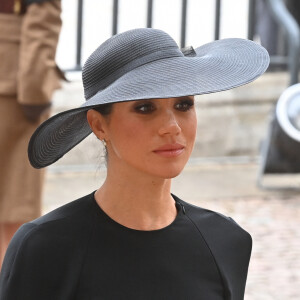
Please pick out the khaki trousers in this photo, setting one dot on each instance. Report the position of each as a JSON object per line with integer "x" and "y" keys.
{"x": 28, "y": 76}
{"x": 20, "y": 184}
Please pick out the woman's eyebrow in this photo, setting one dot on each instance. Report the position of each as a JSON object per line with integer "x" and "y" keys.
{"x": 141, "y": 100}
{"x": 186, "y": 97}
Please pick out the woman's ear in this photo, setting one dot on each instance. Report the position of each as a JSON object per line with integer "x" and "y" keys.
{"x": 97, "y": 123}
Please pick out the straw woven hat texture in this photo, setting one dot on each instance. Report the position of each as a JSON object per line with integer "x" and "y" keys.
{"x": 144, "y": 64}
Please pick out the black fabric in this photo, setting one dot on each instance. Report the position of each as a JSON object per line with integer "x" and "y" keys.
{"x": 79, "y": 252}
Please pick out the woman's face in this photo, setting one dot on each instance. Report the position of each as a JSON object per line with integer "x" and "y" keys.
{"x": 154, "y": 136}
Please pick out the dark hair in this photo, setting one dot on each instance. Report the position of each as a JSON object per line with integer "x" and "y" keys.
{"x": 104, "y": 109}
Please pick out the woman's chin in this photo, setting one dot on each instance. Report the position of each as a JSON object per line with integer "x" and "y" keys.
{"x": 170, "y": 170}
{"x": 170, "y": 173}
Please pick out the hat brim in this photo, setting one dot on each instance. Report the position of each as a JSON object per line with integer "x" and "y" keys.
{"x": 218, "y": 66}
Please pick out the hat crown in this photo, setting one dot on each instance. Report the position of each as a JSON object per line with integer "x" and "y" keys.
{"x": 122, "y": 53}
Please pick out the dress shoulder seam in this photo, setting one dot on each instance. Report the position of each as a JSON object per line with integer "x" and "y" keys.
{"x": 216, "y": 214}
{"x": 208, "y": 247}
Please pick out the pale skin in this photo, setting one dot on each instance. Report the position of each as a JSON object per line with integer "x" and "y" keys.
{"x": 148, "y": 143}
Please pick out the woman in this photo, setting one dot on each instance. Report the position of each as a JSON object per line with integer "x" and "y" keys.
{"x": 132, "y": 239}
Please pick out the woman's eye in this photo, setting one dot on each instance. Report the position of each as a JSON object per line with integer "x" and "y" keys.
{"x": 184, "y": 105}
{"x": 145, "y": 108}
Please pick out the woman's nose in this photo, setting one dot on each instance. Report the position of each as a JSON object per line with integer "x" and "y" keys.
{"x": 169, "y": 125}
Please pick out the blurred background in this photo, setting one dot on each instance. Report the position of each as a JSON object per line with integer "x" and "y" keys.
{"x": 246, "y": 159}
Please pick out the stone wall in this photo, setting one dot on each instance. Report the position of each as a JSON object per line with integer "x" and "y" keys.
{"x": 234, "y": 122}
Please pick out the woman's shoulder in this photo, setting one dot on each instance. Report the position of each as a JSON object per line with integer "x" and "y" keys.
{"x": 215, "y": 222}
{"x": 76, "y": 209}
{"x": 53, "y": 244}
{"x": 228, "y": 242}
{"x": 63, "y": 224}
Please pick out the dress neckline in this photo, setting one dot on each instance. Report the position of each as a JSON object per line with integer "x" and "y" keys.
{"x": 102, "y": 213}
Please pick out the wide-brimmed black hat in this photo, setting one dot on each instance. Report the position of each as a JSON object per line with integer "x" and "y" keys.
{"x": 146, "y": 64}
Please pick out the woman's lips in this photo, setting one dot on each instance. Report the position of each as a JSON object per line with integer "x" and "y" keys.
{"x": 169, "y": 150}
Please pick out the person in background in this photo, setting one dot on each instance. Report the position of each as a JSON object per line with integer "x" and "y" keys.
{"x": 29, "y": 31}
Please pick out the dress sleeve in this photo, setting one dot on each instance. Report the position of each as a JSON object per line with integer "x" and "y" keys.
{"x": 38, "y": 74}
{"x": 230, "y": 245}
{"x": 13, "y": 269}
{"x": 38, "y": 265}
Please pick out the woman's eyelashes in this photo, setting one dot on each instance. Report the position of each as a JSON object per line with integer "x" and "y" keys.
{"x": 145, "y": 108}
{"x": 150, "y": 107}
{"x": 184, "y": 105}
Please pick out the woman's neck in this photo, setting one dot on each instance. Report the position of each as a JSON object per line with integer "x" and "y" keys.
{"x": 137, "y": 201}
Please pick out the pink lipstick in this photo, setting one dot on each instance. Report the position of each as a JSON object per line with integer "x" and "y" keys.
{"x": 169, "y": 150}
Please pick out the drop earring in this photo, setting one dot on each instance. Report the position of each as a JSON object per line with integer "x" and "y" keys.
{"x": 103, "y": 142}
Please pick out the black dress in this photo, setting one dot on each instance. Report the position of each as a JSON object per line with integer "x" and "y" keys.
{"x": 78, "y": 252}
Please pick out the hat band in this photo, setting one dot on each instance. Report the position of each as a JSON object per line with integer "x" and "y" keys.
{"x": 137, "y": 62}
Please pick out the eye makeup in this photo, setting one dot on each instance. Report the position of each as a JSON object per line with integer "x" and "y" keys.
{"x": 145, "y": 107}
{"x": 148, "y": 106}
{"x": 184, "y": 104}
